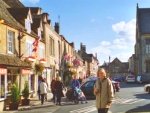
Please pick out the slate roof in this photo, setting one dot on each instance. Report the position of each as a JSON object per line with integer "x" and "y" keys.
{"x": 7, "y": 60}
{"x": 20, "y": 14}
{"x": 7, "y": 17}
{"x": 34, "y": 10}
{"x": 143, "y": 19}
{"x": 14, "y": 3}
{"x": 36, "y": 24}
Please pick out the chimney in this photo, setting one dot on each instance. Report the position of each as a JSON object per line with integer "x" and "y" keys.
{"x": 82, "y": 47}
{"x": 56, "y": 27}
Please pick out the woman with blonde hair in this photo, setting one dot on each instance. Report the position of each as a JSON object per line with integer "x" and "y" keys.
{"x": 103, "y": 91}
{"x": 59, "y": 90}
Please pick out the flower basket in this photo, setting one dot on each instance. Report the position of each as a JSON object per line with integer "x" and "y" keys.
{"x": 39, "y": 68}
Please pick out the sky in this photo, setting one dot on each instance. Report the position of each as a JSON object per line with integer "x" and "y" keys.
{"x": 106, "y": 27}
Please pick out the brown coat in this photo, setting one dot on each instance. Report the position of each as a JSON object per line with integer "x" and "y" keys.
{"x": 104, "y": 93}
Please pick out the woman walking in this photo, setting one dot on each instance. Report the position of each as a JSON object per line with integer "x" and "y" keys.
{"x": 59, "y": 90}
{"x": 103, "y": 91}
{"x": 43, "y": 90}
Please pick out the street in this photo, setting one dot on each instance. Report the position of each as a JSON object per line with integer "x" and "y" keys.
{"x": 130, "y": 99}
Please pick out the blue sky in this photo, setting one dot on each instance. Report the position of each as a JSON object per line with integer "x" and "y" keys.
{"x": 106, "y": 27}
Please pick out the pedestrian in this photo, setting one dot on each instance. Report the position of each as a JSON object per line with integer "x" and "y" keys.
{"x": 59, "y": 90}
{"x": 103, "y": 91}
{"x": 39, "y": 81}
{"x": 80, "y": 80}
{"x": 75, "y": 84}
{"x": 47, "y": 88}
{"x": 43, "y": 90}
{"x": 53, "y": 89}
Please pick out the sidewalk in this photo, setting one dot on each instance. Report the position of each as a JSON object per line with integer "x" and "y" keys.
{"x": 36, "y": 103}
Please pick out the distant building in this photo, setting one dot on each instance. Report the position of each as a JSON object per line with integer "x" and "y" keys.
{"x": 90, "y": 61}
{"x": 116, "y": 67}
{"x": 142, "y": 46}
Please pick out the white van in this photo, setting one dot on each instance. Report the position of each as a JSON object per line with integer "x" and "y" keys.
{"x": 130, "y": 78}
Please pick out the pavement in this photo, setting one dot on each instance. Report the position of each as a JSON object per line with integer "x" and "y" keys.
{"x": 34, "y": 104}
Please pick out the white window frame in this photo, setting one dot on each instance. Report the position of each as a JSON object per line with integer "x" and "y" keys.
{"x": 29, "y": 47}
{"x": 10, "y": 41}
{"x": 28, "y": 25}
{"x": 41, "y": 52}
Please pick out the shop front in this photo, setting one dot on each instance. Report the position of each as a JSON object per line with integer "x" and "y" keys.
{"x": 3, "y": 86}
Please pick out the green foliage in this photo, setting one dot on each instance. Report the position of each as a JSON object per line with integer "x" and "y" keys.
{"x": 15, "y": 95}
{"x": 25, "y": 91}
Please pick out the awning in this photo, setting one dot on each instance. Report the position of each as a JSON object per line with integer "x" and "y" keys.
{"x": 7, "y": 60}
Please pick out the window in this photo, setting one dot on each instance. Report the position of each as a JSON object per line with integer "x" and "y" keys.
{"x": 52, "y": 49}
{"x": 28, "y": 25}
{"x": 10, "y": 41}
{"x": 29, "y": 48}
{"x": 2, "y": 84}
{"x": 39, "y": 33}
{"x": 147, "y": 41}
{"x": 41, "y": 52}
{"x": 148, "y": 66}
{"x": 32, "y": 76}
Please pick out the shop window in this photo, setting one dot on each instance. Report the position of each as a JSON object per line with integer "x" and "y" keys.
{"x": 2, "y": 86}
{"x": 32, "y": 82}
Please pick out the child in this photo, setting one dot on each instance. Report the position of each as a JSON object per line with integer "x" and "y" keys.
{"x": 81, "y": 95}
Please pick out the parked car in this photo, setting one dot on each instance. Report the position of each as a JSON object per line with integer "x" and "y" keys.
{"x": 118, "y": 79}
{"x": 147, "y": 88}
{"x": 130, "y": 78}
{"x": 88, "y": 87}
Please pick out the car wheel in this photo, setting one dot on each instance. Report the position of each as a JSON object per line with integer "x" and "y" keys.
{"x": 148, "y": 90}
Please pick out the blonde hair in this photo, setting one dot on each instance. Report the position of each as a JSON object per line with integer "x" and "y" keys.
{"x": 58, "y": 78}
{"x": 101, "y": 70}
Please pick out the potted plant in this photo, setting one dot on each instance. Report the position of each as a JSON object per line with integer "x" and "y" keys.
{"x": 14, "y": 97}
{"x": 25, "y": 94}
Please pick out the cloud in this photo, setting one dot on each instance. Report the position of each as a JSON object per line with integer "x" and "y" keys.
{"x": 125, "y": 29}
{"x": 122, "y": 46}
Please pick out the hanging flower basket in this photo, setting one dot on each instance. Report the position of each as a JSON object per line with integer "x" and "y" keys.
{"x": 76, "y": 62}
{"x": 42, "y": 60}
{"x": 39, "y": 68}
{"x": 31, "y": 58}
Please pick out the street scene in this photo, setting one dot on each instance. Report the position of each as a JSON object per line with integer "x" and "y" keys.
{"x": 130, "y": 99}
{"x": 74, "y": 56}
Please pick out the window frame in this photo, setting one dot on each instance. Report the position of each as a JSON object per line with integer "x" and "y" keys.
{"x": 10, "y": 41}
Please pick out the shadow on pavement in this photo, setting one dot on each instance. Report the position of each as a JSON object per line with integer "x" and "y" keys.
{"x": 130, "y": 85}
{"x": 140, "y": 109}
{"x": 143, "y": 96}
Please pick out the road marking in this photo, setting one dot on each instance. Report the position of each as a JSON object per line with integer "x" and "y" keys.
{"x": 126, "y": 100}
{"x": 87, "y": 109}
{"x": 84, "y": 110}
